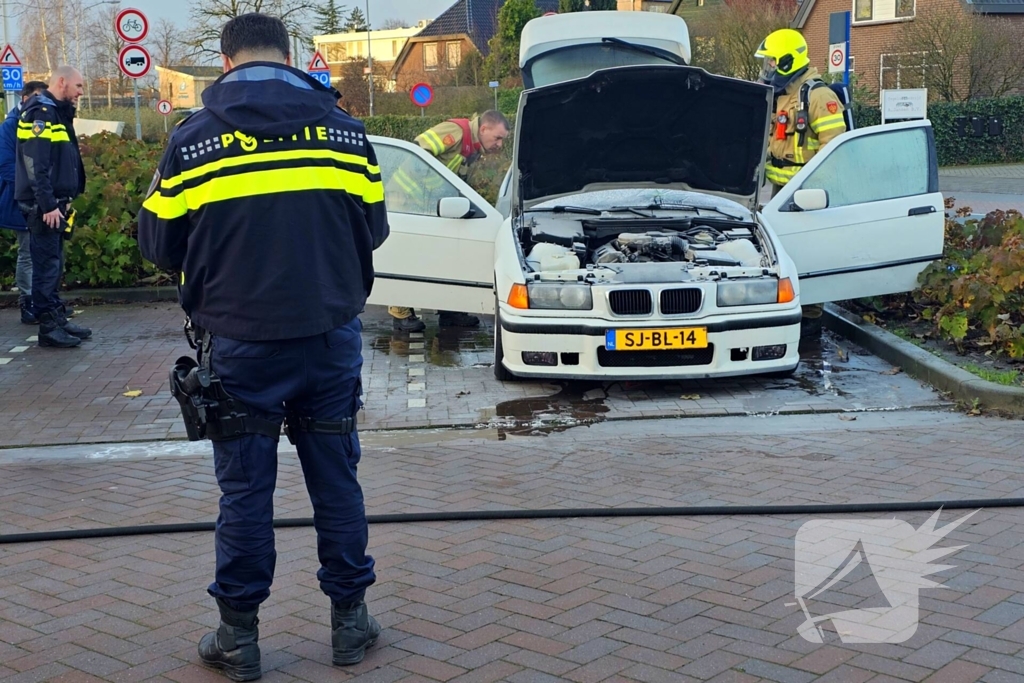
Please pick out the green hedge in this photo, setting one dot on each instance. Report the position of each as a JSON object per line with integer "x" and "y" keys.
{"x": 954, "y": 150}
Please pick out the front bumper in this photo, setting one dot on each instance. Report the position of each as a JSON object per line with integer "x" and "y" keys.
{"x": 579, "y": 344}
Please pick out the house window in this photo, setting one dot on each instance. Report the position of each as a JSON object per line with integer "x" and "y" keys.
{"x": 394, "y": 49}
{"x": 907, "y": 70}
{"x": 336, "y": 52}
{"x": 430, "y": 56}
{"x": 882, "y": 10}
{"x": 359, "y": 49}
{"x": 454, "y": 54}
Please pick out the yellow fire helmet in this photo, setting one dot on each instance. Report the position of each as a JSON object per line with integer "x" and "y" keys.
{"x": 783, "y": 53}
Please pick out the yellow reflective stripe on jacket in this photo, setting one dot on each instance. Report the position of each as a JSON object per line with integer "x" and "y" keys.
{"x": 53, "y": 133}
{"x": 798, "y": 152}
{"x": 830, "y": 122}
{"x": 455, "y": 163}
{"x": 233, "y": 162}
{"x": 780, "y": 176}
{"x": 254, "y": 183}
{"x": 402, "y": 179}
{"x": 435, "y": 142}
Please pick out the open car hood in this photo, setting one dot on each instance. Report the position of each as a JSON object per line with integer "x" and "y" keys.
{"x": 667, "y": 126}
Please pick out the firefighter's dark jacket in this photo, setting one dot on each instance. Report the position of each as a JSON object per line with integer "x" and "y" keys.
{"x": 269, "y": 202}
{"x": 49, "y": 165}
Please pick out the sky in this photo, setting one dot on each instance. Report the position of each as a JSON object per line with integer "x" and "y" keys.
{"x": 380, "y": 10}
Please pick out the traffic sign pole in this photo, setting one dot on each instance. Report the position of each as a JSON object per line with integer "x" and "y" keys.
{"x": 846, "y": 69}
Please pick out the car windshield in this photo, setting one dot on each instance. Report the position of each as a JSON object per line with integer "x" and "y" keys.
{"x": 580, "y": 61}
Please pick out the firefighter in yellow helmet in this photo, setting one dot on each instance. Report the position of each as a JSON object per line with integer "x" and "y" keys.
{"x": 806, "y": 116}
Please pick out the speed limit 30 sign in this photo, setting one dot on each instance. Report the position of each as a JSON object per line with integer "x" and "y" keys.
{"x": 836, "y": 58}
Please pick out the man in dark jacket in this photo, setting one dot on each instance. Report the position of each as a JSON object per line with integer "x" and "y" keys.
{"x": 10, "y": 215}
{"x": 48, "y": 176}
{"x": 269, "y": 203}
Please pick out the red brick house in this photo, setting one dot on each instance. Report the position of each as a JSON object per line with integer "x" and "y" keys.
{"x": 434, "y": 54}
{"x": 877, "y": 60}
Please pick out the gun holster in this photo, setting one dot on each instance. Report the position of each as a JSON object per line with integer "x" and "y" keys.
{"x": 207, "y": 408}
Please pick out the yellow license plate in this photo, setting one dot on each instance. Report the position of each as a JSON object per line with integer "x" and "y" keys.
{"x": 657, "y": 340}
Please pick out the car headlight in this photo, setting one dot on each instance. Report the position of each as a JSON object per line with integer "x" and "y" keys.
{"x": 748, "y": 292}
{"x": 558, "y": 296}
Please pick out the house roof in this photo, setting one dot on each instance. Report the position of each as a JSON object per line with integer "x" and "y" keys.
{"x": 997, "y": 6}
{"x": 980, "y": 6}
{"x": 197, "y": 71}
{"x": 477, "y": 19}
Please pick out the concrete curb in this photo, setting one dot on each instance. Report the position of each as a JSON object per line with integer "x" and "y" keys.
{"x": 923, "y": 365}
{"x": 107, "y": 296}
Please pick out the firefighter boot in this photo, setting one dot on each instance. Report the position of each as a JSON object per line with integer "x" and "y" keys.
{"x": 52, "y": 334}
{"x": 233, "y": 646}
{"x": 409, "y": 324}
{"x": 455, "y": 319}
{"x": 353, "y": 630}
{"x": 71, "y": 328}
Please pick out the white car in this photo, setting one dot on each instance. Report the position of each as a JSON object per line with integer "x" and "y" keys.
{"x": 635, "y": 247}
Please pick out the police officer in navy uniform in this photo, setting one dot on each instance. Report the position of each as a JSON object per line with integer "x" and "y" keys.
{"x": 48, "y": 175}
{"x": 269, "y": 203}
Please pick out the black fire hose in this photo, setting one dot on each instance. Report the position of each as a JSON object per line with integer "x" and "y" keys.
{"x": 552, "y": 513}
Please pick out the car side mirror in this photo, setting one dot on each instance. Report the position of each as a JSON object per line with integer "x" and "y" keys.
{"x": 454, "y": 207}
{"x": 811, "y": 200}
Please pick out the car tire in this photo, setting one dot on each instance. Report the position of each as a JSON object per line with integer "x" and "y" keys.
{"x": 501, "y": 373}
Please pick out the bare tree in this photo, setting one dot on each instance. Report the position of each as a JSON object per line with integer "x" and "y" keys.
{"x": 727, "y": 36}
{"x": 209, "y": 17}
{"x": 958, "y": 54}
{"x": 104, "y": 46}
{"x": 168, "y": 44}
{"x": 392, "y": 24}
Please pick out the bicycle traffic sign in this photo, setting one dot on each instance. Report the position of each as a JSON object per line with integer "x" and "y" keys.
{"x": 134, "y": 61}
{"x": 131, "y": 25}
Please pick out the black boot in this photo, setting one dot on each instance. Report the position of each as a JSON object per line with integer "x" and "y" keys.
{"x": 233, "y": 646}
{"x": 28, "y": 312}
{"x": 71, "y": 328}
{"x": 353, "y": 630}
{"x": 410, "y": 324}
{"x": 53, "y": 335}
{"x": 454, "y": 319}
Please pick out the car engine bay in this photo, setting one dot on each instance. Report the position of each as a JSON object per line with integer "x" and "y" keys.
{"x": 642, "y": 249}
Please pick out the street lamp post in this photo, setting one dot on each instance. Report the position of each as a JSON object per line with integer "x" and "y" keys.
{"x": 369, "y": 53}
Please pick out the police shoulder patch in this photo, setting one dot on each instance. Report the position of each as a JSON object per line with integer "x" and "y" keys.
{"x": 833, "y": 107}
{"x": 38, "y": 127}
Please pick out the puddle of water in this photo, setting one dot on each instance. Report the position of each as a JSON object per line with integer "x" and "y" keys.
{"x": 441, "y": 347}
{"x": 820, "y": 361}
{"x": 577, "y": 404}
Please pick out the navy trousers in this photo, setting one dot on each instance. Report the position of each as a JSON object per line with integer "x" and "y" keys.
{"x": 47, "y": 248}
{"x": 316, "y": 377}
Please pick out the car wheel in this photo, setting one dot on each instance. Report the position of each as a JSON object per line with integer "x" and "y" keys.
{"x": 500, "y": 372}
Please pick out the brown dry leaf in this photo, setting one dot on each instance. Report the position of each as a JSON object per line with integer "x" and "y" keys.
{"x": 134, "y": 393}
{"x": 893, "y": 371}
{"x": 974, "y": 411}
{"x": 690, "y": 397}
{"x": 844, "y": 357}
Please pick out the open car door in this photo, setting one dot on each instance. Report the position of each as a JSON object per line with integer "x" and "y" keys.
{"x": 430, "y": 261}
{"x": 884, "y": 220}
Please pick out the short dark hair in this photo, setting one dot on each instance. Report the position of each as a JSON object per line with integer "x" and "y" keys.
{"x": 493, "y": 117}
{"x": 254, "y": 33}
{"x": 32, "y": 87}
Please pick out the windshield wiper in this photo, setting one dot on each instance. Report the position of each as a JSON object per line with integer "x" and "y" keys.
{"x": 686, "y": 207}
{"x": 632, "y": 209}
{"x": 660, "y": 54}
{"x": 567, "y": 209}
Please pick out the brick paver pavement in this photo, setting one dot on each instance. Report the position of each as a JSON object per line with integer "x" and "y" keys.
{"x": 442, "y": 379}
{"x": 595, "y": 599}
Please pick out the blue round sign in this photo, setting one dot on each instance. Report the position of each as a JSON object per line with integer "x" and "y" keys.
{"x": 421, "y": 95}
